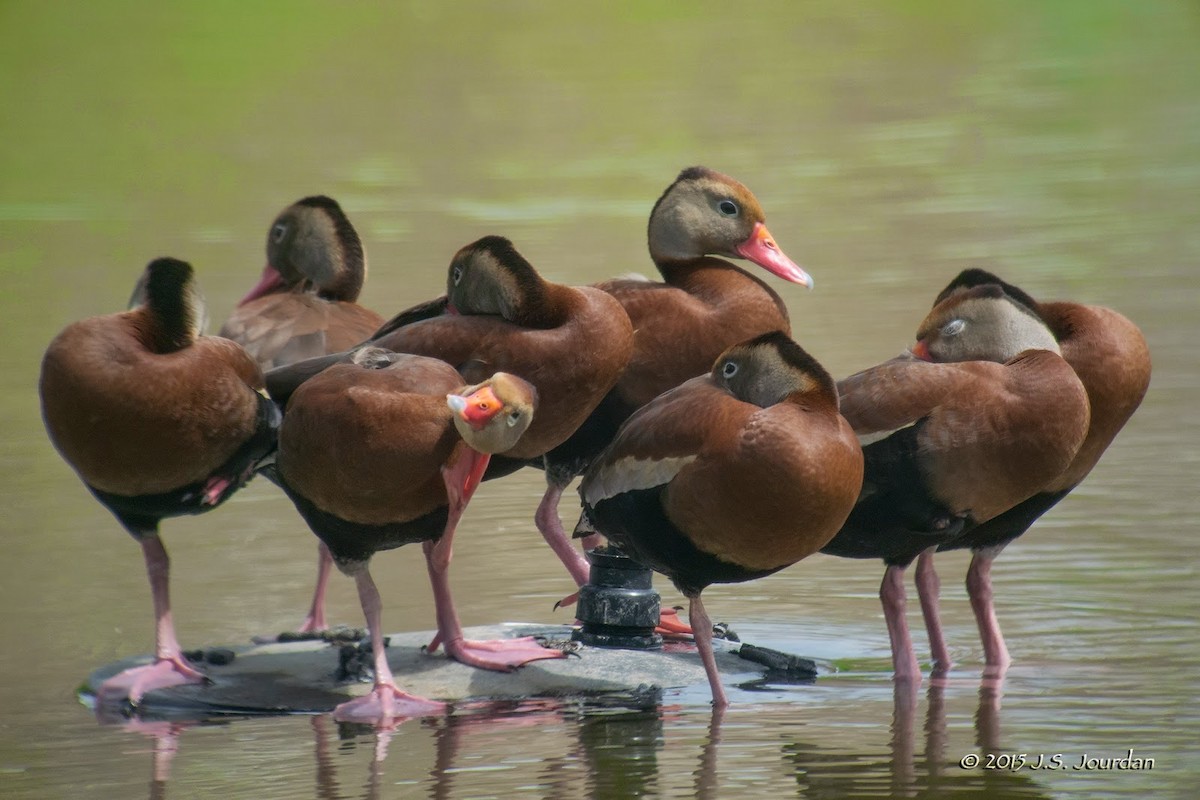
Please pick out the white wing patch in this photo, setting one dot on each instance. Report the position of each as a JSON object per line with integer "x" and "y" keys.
{"x": 630, "y": 474}
{"x": 871, "y": 437}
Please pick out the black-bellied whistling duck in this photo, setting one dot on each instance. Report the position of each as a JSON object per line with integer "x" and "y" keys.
{"x": 159, "y": 421}
{"x": 703, "y": 305}
{"x": 954, "y": 444}
{"x": 731, "y": 476}
{"x": 387, "y": 451}
{"x": 304, "y": 305}
{"x": 498, "y": 314}
{"x": 1111, "y": 359}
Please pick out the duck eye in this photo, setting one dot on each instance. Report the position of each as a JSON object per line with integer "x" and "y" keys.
{"x": 278, "y": 232}
{"x": 728, "y": 208}
{"x": 953, "y": 327}
{"x": 730, "y": 369}
{"x": 457, "y": 275}
{"x": 514, "y": 418}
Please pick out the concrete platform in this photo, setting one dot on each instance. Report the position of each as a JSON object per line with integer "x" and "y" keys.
{"x": 300, "y": 677}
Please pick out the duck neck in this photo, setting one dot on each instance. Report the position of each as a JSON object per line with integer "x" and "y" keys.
{"x": 712, "y": 279}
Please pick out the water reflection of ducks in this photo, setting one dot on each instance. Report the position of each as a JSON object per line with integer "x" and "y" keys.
{"x": 616, "y": 746}
{"x": 907, "y": 772}
{"x": 165, "y": 736}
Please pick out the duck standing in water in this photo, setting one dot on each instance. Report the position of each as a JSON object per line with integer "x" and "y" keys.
{"x": 729, "y": 477}
{"x": 158, "y": 421}
{"x": 306, "y": 304}
{"x": 386, "y": 451}
{"x": 951, "y": 445}
{"x": 1111, "y": 359}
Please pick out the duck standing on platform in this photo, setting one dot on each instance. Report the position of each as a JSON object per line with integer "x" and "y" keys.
{"x": 158, "y": 421}
{"x": 949, "y": 445}
{"x": 729, "y": 477}
{"x": 387, "y": 451}
{"x": 1111, "y": 359}
{"x": 571, "y": 343}
{"x": 703, "y": 305}
{"x": 304, "y": 305}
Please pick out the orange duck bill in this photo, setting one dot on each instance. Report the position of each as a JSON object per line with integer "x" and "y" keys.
{"x": 762, "y": 250}
{"x": 272, "y": 280}
{"x": 476, "y": 409}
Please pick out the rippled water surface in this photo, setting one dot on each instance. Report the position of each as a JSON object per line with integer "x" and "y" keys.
{"x": 891, "y": 144}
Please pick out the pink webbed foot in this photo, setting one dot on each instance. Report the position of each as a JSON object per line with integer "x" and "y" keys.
{"x": 669, "y": 624}
{"x": 386, "y": 704}
{"x": 313, "y": 624}
{"x": 134, "y": 682}
{"x": 502, "y": 655}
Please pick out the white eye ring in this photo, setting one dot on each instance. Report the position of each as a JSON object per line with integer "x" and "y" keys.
{"x": 278, "y": 232}
{"x": 457, "y": 274}
{"x": 953, "y": 327}
{"x": 730, "y": 369}
{"x": 514, "y": 418}
{"x": 728, "y": 208}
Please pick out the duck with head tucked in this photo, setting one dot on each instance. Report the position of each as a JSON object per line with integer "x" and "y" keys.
{"x": 499, "y": 314}
{"x": 731, "y": 476}
{"x": 952, "y": 445}
{"x": 1111, "y": 359}
{"x": 158, "y": 421}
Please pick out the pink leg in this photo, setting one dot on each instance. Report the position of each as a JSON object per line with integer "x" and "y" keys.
{"x": 315, "y": 621}
{"x": 385, "y": 702}
{"x": 170, "y": 668}
{"x": 503, "y": 654}
{"x": 979, "y": 589}
{"x": 550, "y": 525}
{"x": 928, "y": 589}
{"x": 703, "y": 628}
{"x": 895, "y": 603}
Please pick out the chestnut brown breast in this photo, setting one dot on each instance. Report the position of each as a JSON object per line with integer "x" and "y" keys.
{"x": 768, "y": 486}
{"x": 366, "y": 445}
{"x": 134, "y": 422}
{"x": 754, "y": 476}
{"x": 990, "y": 434}
{"x": 681, "y": 327}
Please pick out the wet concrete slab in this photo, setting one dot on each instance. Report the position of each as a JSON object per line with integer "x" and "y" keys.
{"x": 303, "y": 676}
